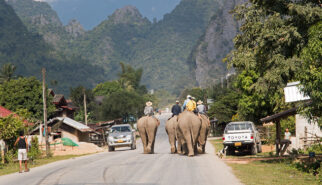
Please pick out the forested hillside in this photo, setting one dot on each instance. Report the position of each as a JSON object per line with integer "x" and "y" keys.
{"x": 162, "y": 48}
{"x": 29, "y": 52}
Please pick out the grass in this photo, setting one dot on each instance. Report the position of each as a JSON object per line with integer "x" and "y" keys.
{"x": 270, "y": 172}
{"x": 217, "y": 144}
{"x": 14, "y": 167}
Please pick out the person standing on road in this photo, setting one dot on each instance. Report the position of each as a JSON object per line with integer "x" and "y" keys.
{"x": 22, "y": 151}
{"x": 176, "y": 109}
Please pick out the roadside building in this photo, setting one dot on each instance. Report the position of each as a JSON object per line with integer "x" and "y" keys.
{"x": 306, "y": 133}
{"x": 64, "y": 108}
{"x": 60, "y": 127}
{"x": 67, "y": 127}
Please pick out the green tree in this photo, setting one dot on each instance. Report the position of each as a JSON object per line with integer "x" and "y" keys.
{"x": 7, "y": 72}
{"x": 25, "y": 93}
{"x": 9, "y": 129}
{"x": 225, "y": 104}
{"x": 10, "y": 126}
{"x": 130, "y": 78}
{"x": 106, "y": 88}
{"x": 267, "y": 51}
{"x": 122, "y": 104}
{"x": 77, "y": 96}
{"x": 310, "y": 74}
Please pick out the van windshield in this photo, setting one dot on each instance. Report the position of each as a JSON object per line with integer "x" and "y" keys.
{"x": 121, "y": 129}
{"x": 239, "y": 126}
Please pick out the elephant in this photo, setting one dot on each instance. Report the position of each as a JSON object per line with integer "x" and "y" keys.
{"x": 148, "y": 127}
{"x": 171, "y": 129}
{"x": 202, "y": 139}
{"x": 189, "y": 126}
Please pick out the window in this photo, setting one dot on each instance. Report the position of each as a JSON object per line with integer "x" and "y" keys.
{"x": 121, "y": 129}
{"x": 238, "y": 126}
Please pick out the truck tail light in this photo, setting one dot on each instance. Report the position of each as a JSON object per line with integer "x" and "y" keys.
{"x": 252, "y": 137}
{"x": 223, "y": 138}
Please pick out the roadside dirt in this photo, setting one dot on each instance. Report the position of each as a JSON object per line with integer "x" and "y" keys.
{"x": 248, "y": 159}
{"x": 84, "y": 148}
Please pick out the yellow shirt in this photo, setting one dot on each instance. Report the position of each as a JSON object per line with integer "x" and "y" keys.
{"x": 191, "y": 105}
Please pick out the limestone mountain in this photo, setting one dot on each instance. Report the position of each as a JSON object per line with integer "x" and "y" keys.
{"x": 168, "y": 44}
{"x": 74, "y": 28}
{"x": 162, "y": 48}
{"x": 111, "y": 42}
{"x": 214, "y": 45}
{"x": 29, "y": 52}
{"x": 40, "y": 18}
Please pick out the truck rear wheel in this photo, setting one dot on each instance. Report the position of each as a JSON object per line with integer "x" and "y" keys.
{"x": 111, "y": 148}
{"x": 259, "y": 147}
{"x": 253, "y": 149}
{"x": 230, "y": 150}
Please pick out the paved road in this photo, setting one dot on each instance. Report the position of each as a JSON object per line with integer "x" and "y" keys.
{"x": 127, "y": 167}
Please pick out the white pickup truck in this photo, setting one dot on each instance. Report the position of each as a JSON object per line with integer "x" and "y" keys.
{"x": 241, "y": 136}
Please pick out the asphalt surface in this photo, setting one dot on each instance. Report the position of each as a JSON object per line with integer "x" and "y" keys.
{"x": 131, "y": 167}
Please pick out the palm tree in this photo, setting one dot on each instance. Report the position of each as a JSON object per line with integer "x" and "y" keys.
{"x": 7, "y": 72}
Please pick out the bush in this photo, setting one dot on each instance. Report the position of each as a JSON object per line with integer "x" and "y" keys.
{"x": 34, "y": 152}
{"x": 10, "y": 156}
{"x": 317, "y": 148}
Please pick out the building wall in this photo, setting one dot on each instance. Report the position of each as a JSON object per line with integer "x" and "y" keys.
{"x": 311, "y": 128}
{"x": 83, "y": 136}
{"x": 71, "y": 135}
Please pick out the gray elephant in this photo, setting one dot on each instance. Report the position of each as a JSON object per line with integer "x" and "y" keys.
{"x": 171, "y": 128}
{"x": 202, "y": 139}
{"x": 148, "y": 127}
{"x": 189, "y": 126}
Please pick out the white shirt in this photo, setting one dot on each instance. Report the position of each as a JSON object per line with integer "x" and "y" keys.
{"x": 287, "y": 135}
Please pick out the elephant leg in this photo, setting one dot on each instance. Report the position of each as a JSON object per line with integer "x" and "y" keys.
{"x": 172, "y": 140}
{"x": 151, "y": 137}
{"x": 179, "y": 140}
{"x": 152, "y": 147}
{"x": 179, "y": 146}
{"x": 190, "y": 145}
{"x": 204, "y": 146}
{"x": 144, "y": 139}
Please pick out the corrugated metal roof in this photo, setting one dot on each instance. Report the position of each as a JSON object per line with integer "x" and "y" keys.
{"x": 57, "y": 98}
{"x": 293, "y": 94}
{"x": 79, "y": 126}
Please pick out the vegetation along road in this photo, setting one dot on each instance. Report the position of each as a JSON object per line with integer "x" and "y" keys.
{"x": 132, "y": 167}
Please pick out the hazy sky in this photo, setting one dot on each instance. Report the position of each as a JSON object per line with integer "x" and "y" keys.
{"x": 91, "y": 12}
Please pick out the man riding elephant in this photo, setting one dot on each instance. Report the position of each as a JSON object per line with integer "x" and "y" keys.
{"x": 191, "y": 105}
{"x": 176, "y": 109}
{"x": 185, "y": 102}
{"x": 149, "y": 111}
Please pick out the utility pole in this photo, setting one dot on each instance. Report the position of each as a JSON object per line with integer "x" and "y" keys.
{"x": 44, "y": 94}
{"x": 85, "y": 109}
